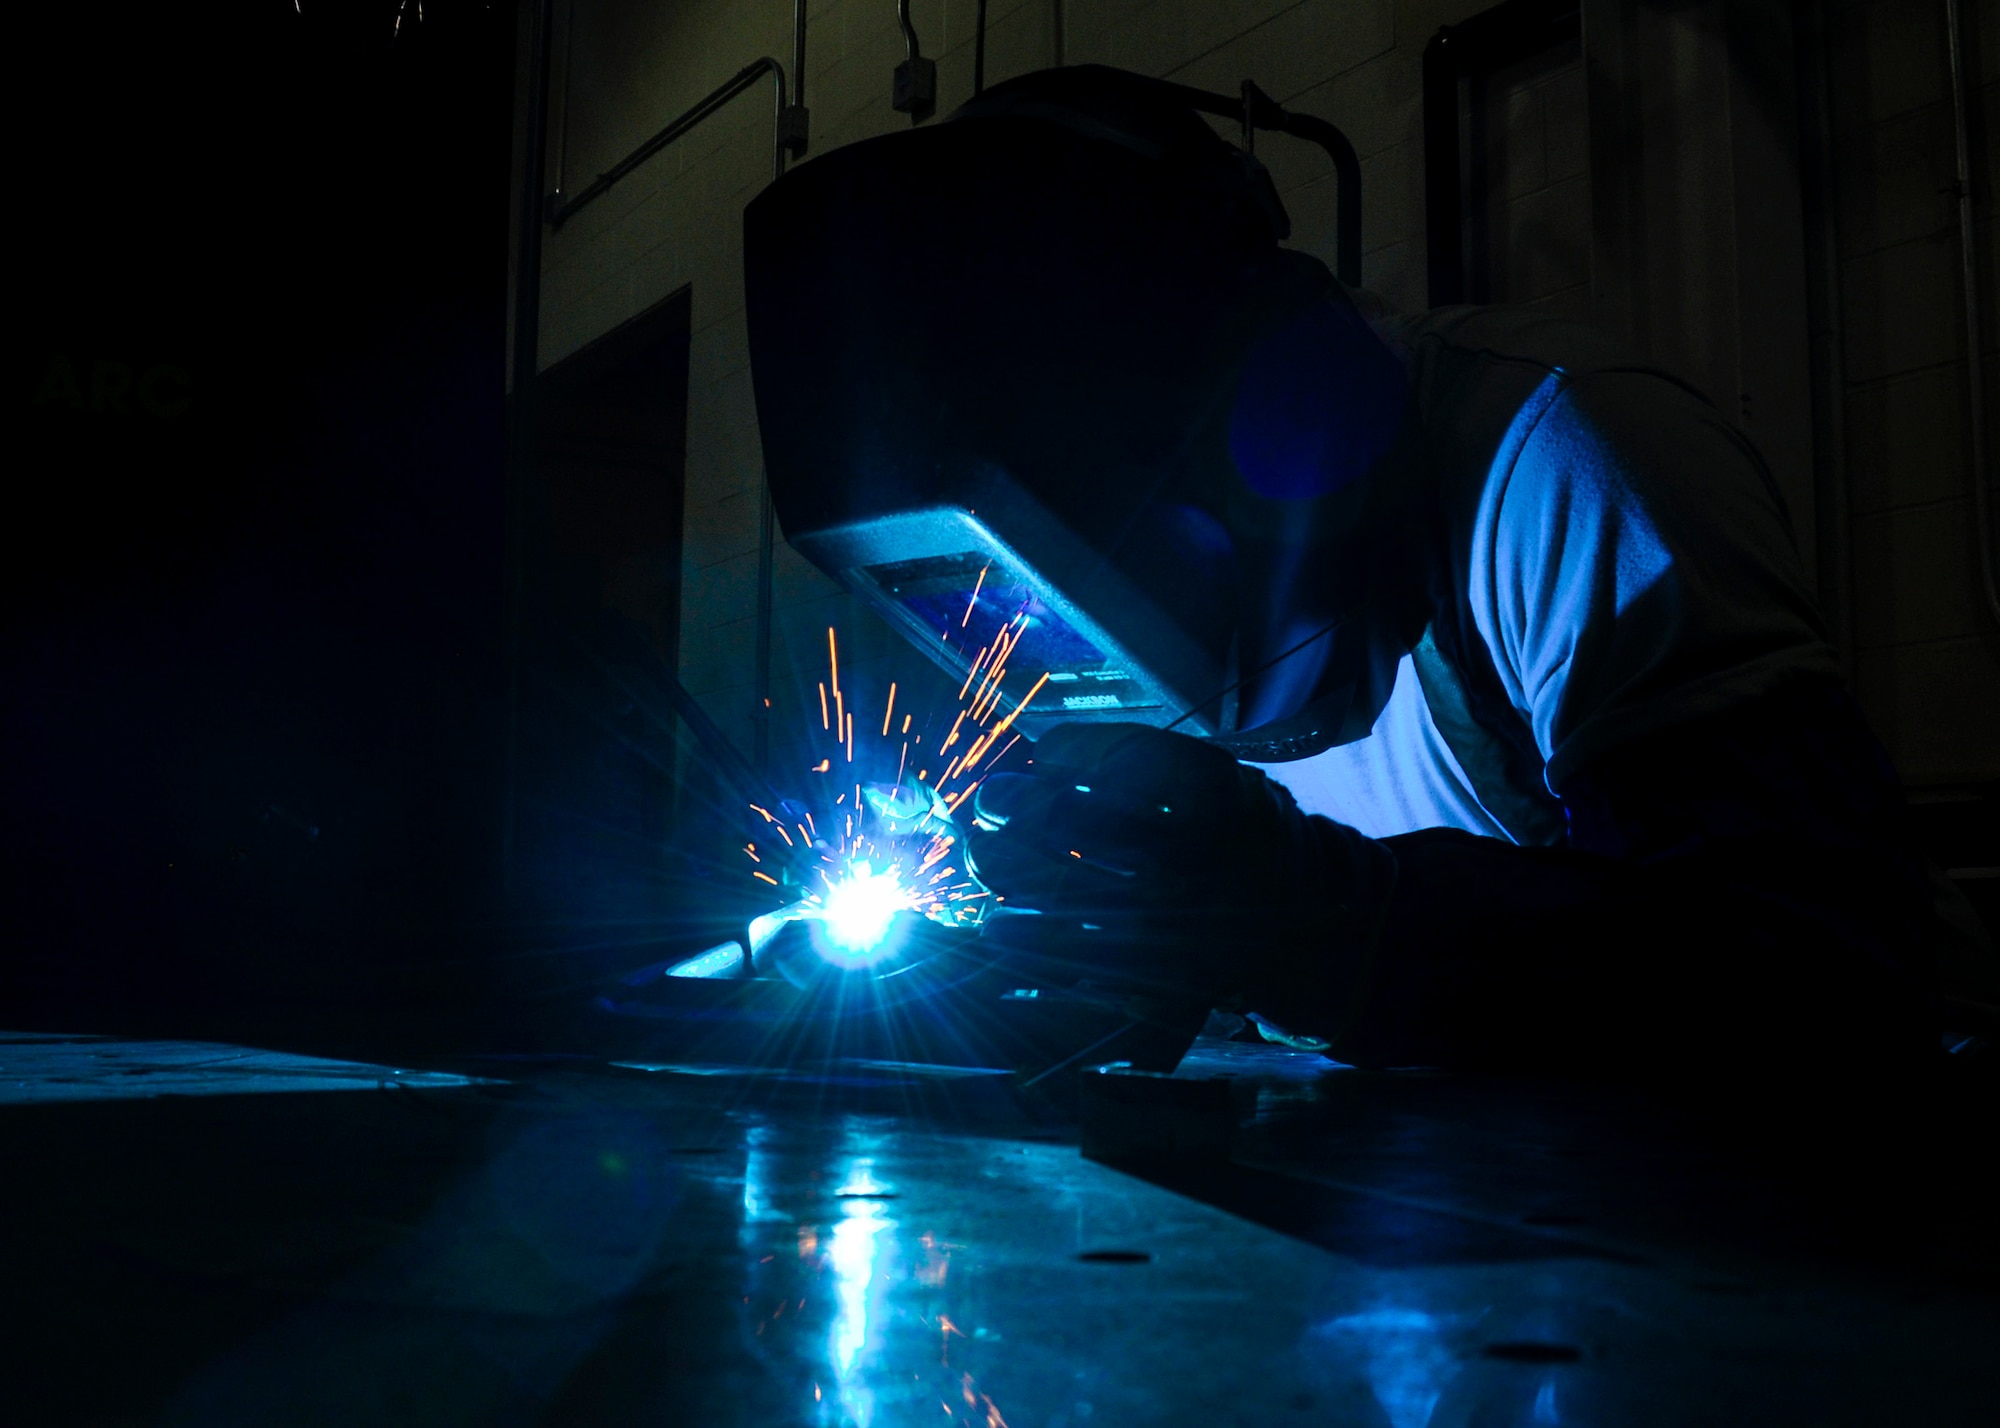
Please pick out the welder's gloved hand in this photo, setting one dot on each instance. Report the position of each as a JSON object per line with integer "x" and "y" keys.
{"x": 1177, "y": 868}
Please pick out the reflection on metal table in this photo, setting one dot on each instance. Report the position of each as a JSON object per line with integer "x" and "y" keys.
{"x": 554, "y": 1241}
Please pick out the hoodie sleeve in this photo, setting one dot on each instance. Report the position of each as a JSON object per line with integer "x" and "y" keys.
{"x": 1633, "y": 568}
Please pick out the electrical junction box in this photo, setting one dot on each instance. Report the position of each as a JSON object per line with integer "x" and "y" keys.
{"x": 794, "y": 129}
{"x": 916, "y": 88}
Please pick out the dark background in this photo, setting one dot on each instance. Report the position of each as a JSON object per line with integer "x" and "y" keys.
{"x": 252, "y": 675}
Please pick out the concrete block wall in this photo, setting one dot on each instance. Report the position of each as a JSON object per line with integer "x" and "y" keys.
{"x": 1927, "y": 656}
{"x": 1927, "y": 670}
{"x": 1527, "y": 224}
{"x": 623, "y": 69}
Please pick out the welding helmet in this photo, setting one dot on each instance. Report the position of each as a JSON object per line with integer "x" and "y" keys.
{"x": 1042, "y": 373}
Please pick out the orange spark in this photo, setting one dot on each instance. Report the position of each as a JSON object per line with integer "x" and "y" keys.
{"x": 984, "y": 650}
{"x": 766, "y": 877}
{"x": 993, "y": 697}
{"x": 1005, "y": 724}
{"x": 823, "y": 722}
{"x": 890, "y": 712}
{"x": 999, "y": 661}
{"x": 975, "y": 592}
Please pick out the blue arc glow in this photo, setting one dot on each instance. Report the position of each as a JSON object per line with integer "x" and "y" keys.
{"x": 859, "y": 909}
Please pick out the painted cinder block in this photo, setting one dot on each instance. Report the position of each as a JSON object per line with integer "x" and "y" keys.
{"x": 1892, "y": 181}
{"x": 719, "y": 528}
{"x": 1915, "y": 575}
{"x": 1292, "y": 51}
{"x": 719, "y": 657}
{"x": 1510, "y": 118}
{"x": 1884, "y": 59}
{"x": 1399, "y": 273}
{"x": 1377, "y": 103}
{"x": 1016, "y": 43}
{"x": 1539, "y": 244}
{"x": 796, "y": 581}
{"x": 678, "y": 221}
{"x": 717, "y": 355}
{"x": 649, "y": 235}
{"x": 1907, "y": 441}
{"x": 1565, "y": 101}
{"x": 1933, "y": 704}
{"x": 1902, "y": 308}
{"x": 1153, "y": 41}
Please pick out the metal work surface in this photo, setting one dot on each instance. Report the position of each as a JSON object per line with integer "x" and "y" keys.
{"x": 565, "y": 1243}
{"x": 102, "y": 1068}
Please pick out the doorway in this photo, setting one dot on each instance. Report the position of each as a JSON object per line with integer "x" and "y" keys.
{"x": 599, "y": 545}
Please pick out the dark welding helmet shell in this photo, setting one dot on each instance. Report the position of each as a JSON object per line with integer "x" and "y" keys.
{"x": 1028, "y": 332}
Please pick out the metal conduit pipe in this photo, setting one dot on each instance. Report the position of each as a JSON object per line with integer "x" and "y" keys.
{"x": 1347, "y": 189}
{"x": 1257, "y": 110}
{"x": 799, "y": 53}
{"x": 520, "y": 405}
{"x": 704, "y": 108}
{"x": 789, "y": 134}
{"x": 1832, "y": 504}
{"x": 562, "y": 114}
{"x": 1982, "y": 481}
{"x": 979, "y": 50}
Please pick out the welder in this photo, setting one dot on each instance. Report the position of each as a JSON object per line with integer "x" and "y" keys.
{"x": 1440, "y": 689}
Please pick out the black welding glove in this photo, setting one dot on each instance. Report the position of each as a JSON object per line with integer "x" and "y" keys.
{"x": 1178, "y": 869}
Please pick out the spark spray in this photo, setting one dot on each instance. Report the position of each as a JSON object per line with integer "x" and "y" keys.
{"x": 884, "y": 845}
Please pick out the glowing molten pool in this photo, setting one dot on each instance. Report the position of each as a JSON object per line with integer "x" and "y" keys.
{"x": 858, "y": 910}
